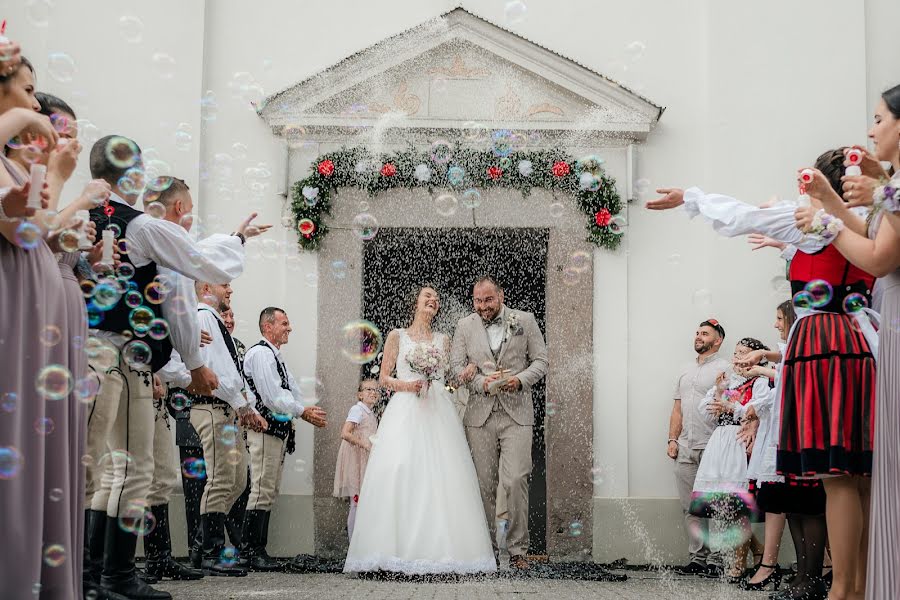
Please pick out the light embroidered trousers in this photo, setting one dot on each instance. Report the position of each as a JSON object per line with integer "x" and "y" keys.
{"x": 266, "y": 466}
{"x": 501, "y": 451}
{"x": 224, "y": 454}
{"x": 165, "y": 465}
{"x": 101, "y": 416}
{"x": 126, "y": 470}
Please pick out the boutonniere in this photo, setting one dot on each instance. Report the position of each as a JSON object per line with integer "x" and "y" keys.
{"x": 512, "y": 324}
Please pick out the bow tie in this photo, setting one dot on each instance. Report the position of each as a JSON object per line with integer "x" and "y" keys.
{"x": 495, "y": 321}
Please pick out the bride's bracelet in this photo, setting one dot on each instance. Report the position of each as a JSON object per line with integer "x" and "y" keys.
{"x": 887, "y": 196}
{"x": 824, "y": 226}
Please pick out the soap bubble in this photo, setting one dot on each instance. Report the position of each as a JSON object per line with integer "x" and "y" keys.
{"x": 855, "y": 303}
{"x": 131, "y": 29}
{"x": 50, "y": 336}
{"x": 44, "y": 426}
{"x": 9, "y": 401}
{"x": 164, "y": 65}
{"x": 194, "y": 468}
{"x": 54, "y": 382}
{"x": 122, "y": 152}
{"x": 361, "y": 341}
{"x": 11, "y": 462}
{"x": 446, "y": 204}
{"x": 140, "y": 319}
{"x": 471, "y": 198}
{"x": 136, "y": 355}
{"x": 38, "y": 12}
{"x": 54, "y": 555}
{"x": 441, "y": 152}
{"x": 365, "y": 226}
{"x": 61, "y": 67}
{"x": 820, "y": 292}
{"x": 514, "y": 12}
{"x": 28, "y": 235}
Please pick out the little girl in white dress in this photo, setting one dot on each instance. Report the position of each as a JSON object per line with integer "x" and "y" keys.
{"x": 722, "y": 487}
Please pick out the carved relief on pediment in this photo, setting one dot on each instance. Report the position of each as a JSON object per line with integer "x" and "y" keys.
{"x": 459, "y": 70}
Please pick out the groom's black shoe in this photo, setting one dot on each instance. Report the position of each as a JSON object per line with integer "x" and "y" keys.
{"x": 256, "y": 536}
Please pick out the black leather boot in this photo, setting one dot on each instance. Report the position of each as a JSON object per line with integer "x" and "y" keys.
{"x": 212, "y": 530}
{"x": 119, "y": 574}
{"x": 256, "y": 533}
{"x": 158, "y": 548}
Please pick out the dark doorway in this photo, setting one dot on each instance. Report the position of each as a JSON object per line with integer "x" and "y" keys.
{"x": 396, "y": 261}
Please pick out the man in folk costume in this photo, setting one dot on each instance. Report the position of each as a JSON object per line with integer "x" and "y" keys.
{"x": 501, "y": 352}
{"x": 279, "y": 401}
{"x": 122, "y": 418}
{"x": 177, "y": 200}
{"x": 217, "y": 419}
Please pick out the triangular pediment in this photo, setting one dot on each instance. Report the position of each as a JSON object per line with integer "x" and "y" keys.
{"x": 451, "y": 71}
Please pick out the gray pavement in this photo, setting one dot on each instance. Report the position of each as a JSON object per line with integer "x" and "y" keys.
{"x": 640, "y": 586}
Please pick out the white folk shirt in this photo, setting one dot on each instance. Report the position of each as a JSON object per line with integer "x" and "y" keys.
{"x": 691, "y": 388}
{"x": 169, "y": 246}
{"x": 260, "y": 366}
{"x": 730, "y": 217}
{"x": 217, "y": 357}
{"x": 175, "y": 373}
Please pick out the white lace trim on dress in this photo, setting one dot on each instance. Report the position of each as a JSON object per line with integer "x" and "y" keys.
{"x": 420, "y": 567}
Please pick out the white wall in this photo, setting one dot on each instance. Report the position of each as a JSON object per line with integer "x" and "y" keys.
{"x": 752, "y": 91}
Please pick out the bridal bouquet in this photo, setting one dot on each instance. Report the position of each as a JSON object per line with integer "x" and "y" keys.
{"x": 427, "y": 360}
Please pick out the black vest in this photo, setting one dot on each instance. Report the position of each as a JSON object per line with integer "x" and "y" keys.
{"x": 282, "y": 429}
{"x": 116, "y": 319}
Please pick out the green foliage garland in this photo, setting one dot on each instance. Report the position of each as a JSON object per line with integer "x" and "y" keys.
{"x": 458, "y": 169}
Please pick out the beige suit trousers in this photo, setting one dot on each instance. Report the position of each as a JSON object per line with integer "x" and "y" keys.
{"x": 225, "y": 456}
{"x": 165, "y": 465}
{"x": 266, "y": 467}
{"x": 501, "y": 451}
{"x": 686, "y": 466}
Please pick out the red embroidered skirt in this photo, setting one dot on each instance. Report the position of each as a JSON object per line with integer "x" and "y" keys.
{"x": 828, "y": 405}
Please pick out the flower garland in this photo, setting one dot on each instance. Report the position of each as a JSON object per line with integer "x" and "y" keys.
{"x": 458, "y": 169}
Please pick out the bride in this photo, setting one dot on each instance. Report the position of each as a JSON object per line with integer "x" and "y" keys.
{"x": 420, "y": 509}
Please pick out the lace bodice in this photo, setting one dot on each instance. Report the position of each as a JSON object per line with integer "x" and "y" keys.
{"x": 404, "y": 371}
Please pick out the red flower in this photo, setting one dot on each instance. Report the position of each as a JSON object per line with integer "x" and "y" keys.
{"x": 603, "y": 217}
{"x": 306, "y": 227}
{"x": 561, "y": 168}
{"x": 495, "y": 172}
{"x": 326, "y": 168}
{"x": 388, "y": 170}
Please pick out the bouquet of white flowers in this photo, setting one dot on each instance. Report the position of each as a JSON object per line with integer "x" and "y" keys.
{"x": 428, "y": 360}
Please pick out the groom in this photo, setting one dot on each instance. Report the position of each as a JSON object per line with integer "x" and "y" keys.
{"x": 500, "y": 353}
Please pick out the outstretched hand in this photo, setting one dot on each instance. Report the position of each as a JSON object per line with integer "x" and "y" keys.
{"x": 249, "y": 230}
{"x": 758, "y": 241}
{"x": 671, "y": 198}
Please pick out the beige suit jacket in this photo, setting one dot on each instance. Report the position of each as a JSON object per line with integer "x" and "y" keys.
{"x": 523, "y": 351}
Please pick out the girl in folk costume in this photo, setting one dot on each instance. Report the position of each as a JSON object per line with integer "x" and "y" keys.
{"x": 874, "y": 245}
{"x": 827, "y": 392}
{"x": 803, "y": 500}
{"x": 721, "y": 489}
{"x": 353, "y": 454}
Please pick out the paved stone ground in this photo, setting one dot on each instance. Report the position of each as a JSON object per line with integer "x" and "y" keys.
{"x": 640, "y": 586}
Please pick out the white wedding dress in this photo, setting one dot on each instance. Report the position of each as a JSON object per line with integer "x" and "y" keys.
{"x": 420, "y": 509}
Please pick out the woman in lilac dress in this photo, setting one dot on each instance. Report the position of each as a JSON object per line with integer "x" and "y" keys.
{"x": 40, "y": 427}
